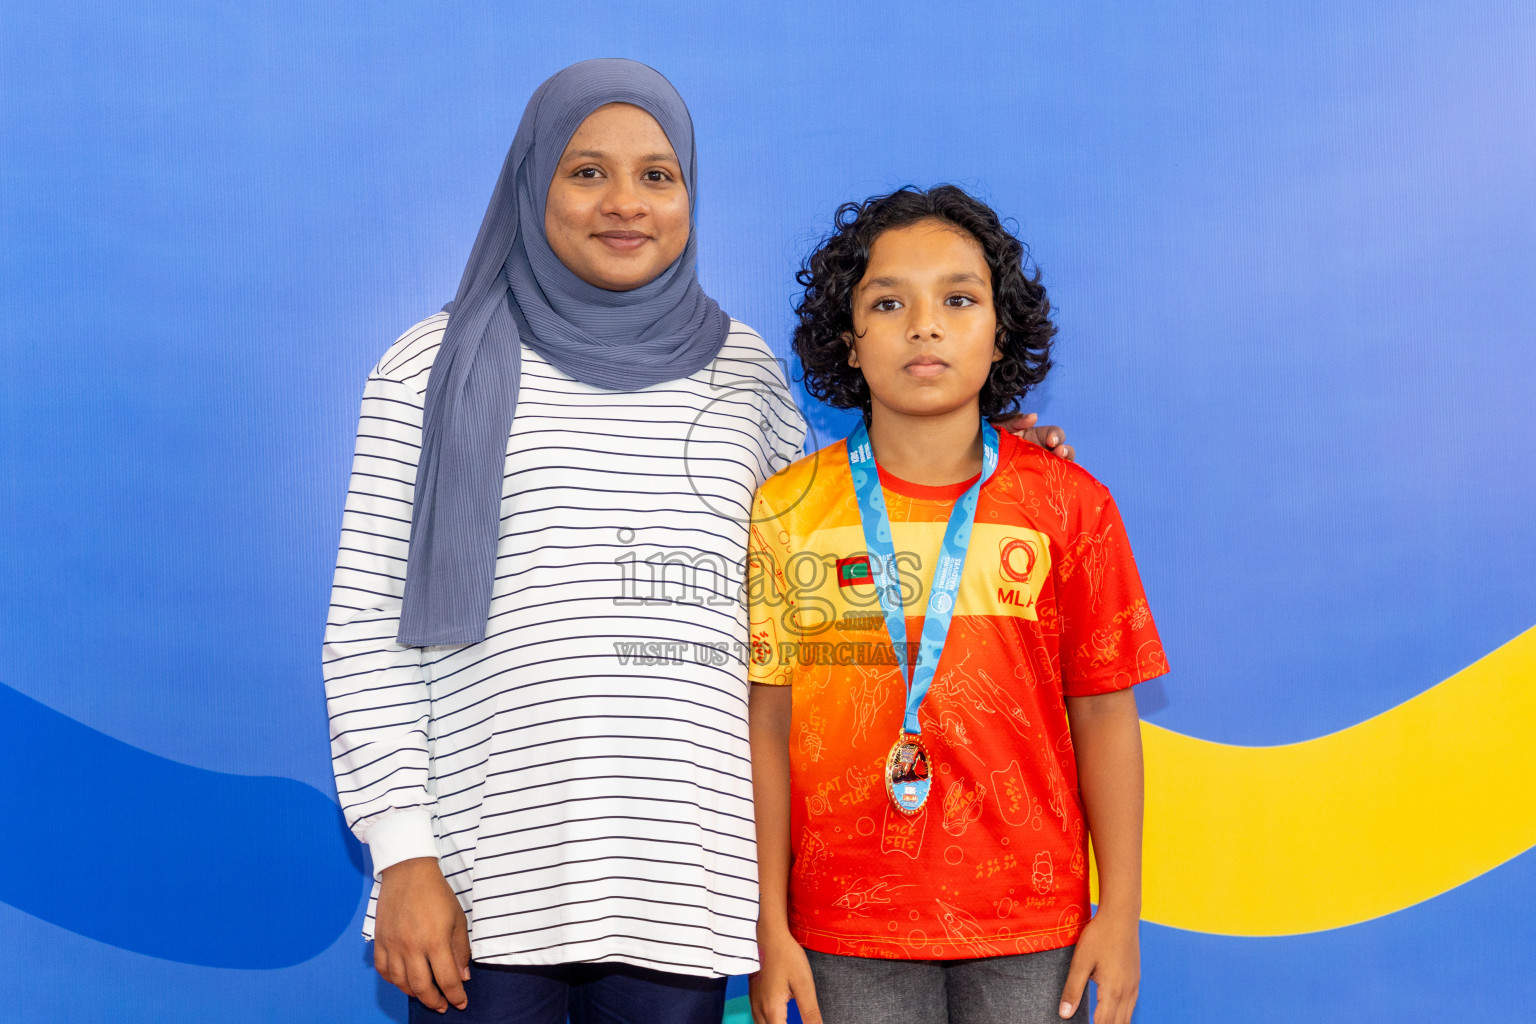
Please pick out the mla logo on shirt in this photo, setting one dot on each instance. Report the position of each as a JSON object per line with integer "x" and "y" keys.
{"x": 1016, "y": 563}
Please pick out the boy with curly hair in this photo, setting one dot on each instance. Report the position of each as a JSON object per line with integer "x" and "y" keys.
{"x": 923, "y": 807}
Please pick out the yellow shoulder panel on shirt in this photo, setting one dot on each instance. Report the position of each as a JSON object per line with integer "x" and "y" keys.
{"x": 1005, "y": 569}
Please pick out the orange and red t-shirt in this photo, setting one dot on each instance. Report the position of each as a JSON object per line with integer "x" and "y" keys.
{"x": 1050, "y": 605}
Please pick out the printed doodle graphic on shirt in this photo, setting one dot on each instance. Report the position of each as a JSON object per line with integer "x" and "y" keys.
{"x": 1011, "y": 797}
{"x": 961, "y": 926}
{"x": 963, "y": 804}
{"x": 812, "y": 854}
{"x": 1043, "y": 875}
{"x": 1090, "y": 555}
{"x": 865, "y": 894}
{"x": 870, "y": 692}
{"x": 901, "y": 834}
{"x": 953, "y": 728}
{"x": 1079, "y": 865}
{"x": 811, "y": 741}
{"x": 975, "y": 687}
{"x": 861, "y": 784}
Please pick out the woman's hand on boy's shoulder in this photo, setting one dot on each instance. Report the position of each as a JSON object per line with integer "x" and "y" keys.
{"x": 1052, "y": 439}
{"x": 785, "y": 974}
{"x": 1109, "y": 952}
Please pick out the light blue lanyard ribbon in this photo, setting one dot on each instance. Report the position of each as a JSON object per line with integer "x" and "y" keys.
{"x": 946, "y": 575}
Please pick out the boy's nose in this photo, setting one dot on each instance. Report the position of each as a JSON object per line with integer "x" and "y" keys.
{"x": 925, "y": 328}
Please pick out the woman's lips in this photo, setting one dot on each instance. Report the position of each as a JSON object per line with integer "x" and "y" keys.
{"x": 622, "y": 241}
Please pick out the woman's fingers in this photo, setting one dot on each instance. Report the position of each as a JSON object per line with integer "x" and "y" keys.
{"x": 771, "y": 1011}
{"x": 445, "y": 973}
{"x": 418, "y": 978}
{"x": 391, "y": 966}
{"x": 459, "y": 940}
{"x": 769, "y": 1000}
{"x": 1052, "y": 439}
{"x": 1018, "y": 424}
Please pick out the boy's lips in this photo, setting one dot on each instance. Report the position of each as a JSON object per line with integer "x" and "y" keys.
{"x": 926, "y": 366}
{"x": 624, "y": 241}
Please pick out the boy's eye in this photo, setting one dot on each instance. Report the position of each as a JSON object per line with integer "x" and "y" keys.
{"x": 960, "y": 300}
{"x": 887, "y": 305}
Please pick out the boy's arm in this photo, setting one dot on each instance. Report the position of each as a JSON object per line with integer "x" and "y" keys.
{"x": 1106, "y": 734}
{"x": 785, "y": 973}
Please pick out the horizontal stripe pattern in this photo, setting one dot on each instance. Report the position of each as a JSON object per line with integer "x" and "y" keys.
{"x": 585, "y": 770}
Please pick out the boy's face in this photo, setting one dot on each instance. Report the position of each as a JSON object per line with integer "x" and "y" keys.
{"x": 925, "y": 327}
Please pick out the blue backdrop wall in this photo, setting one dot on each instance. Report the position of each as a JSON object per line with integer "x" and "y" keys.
{"x": 1292, "y": 251}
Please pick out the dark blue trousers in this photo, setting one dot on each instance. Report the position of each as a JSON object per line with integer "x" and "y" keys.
{"x": 584, "y": 994}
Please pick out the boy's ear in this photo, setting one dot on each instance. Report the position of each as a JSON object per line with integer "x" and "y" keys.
{"x": 853, "y": 353}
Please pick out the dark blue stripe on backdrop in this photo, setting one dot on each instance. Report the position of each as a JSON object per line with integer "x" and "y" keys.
{"x": 165, "y": 859}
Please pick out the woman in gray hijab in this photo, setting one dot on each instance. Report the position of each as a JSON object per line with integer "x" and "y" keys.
{"x": 534, "y": 658}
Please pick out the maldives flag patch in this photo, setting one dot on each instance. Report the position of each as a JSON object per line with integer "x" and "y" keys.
{"x": 853, "y": 570}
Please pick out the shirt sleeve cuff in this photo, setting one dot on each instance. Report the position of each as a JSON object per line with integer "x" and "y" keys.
{"x": 400, "y": 835}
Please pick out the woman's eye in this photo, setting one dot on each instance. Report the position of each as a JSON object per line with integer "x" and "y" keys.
{"x": 586, "y": 172}
{"x": 657, "y": 176}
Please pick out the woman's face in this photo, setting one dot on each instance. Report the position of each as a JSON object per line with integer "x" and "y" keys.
{"x": 617, "y": 211}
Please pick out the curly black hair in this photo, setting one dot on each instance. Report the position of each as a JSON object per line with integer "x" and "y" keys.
{"x": 831, "y": 273}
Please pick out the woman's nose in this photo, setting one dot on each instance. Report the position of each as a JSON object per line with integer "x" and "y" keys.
{"x": 622, "y": 199}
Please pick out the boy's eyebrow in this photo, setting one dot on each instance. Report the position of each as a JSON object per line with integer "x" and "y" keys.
{"x": 959, "y": 277}
{"x": 962, "y": 276}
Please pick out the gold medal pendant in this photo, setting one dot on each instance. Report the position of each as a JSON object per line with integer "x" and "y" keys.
{"x": 907, "y": 778}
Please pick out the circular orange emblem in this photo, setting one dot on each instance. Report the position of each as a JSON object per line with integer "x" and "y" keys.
{"x": 1017, "y": 560}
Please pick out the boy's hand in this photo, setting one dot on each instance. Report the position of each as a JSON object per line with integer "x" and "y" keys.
{"x": 785, "y": 975}
{"x": 1109, "y": 952}
{"x": 420, "y": 936}
{"x": 1052, "y": 439}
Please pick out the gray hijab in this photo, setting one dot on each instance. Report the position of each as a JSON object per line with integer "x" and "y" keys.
{"x": 515, "y": 289}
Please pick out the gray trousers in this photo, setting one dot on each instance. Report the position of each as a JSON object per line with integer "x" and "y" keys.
{"x": 1023, "y": 989}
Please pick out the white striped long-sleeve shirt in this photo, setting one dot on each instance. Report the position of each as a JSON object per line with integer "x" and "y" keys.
{"x": 581, "y": 774}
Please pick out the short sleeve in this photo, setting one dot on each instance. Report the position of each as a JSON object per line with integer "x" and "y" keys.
{"x": 1108, "y": 639}
{"x": 767, "y": 597}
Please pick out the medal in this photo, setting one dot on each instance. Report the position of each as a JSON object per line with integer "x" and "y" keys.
{"x": 907, "y": 777}
{"x": 906, "y": 774}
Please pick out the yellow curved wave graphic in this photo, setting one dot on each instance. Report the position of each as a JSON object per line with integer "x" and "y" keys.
{"x": 1349, "y": 826}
